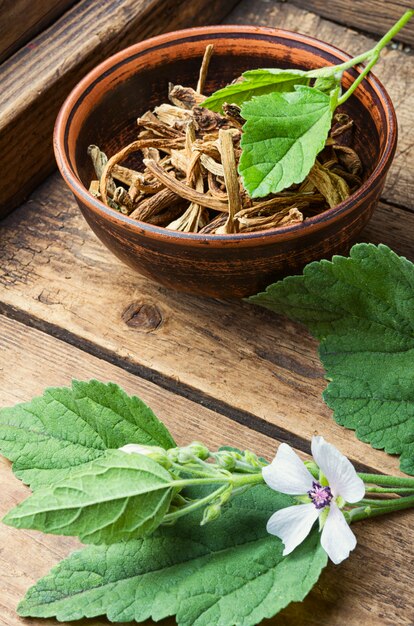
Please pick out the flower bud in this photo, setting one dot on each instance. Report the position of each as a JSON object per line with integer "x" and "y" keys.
{"x": 226, "y": 460}
{"x": 199, "y": 450}
{"x": 211, "y": 513}
{"x": 252, "y": 459}
{"x": 153, "y": 452}
{"x": 312, "y": 467}
{"x": 195, "y": 449}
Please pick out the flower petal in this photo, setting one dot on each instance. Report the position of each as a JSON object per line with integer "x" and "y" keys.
{"x": 337, "y": 538}
{"x": 287, "y": 473}
{"x": 292, "y": 524}
{"x": 342, "y": 477}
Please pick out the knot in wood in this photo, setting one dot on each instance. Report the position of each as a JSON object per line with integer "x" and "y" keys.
{"x": 143, "y": 317}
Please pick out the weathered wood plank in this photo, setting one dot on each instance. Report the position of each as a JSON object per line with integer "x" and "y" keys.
{"x": 20, "y": 20}
{"x": 359, "y": 589}
{"x": 36, "y": 80}
{"x": 55, "y": 272}
{"x": 395, "y": 70}
{"x": 372, "y": 16}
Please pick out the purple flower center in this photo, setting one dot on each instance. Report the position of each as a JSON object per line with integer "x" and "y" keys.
{"x": 320, "y": 496}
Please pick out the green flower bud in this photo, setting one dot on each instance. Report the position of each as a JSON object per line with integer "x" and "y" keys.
{"x": 211, "y": 513}
{"x": 186, "y": 454}
{"x": 312, "y": 467}
{"x": 226, "y": 460}
{"x": 153, "y": 452}
{"x": 199, "y": 450}
{"x": 252, "y": 459}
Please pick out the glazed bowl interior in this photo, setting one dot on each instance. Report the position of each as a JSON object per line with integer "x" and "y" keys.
{"x": 111, "y": 98}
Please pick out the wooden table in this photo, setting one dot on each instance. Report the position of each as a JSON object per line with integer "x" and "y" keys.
{"x": 219, "y": 371}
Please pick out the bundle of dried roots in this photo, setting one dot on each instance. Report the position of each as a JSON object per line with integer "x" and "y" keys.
{"x": 187, "y": 177}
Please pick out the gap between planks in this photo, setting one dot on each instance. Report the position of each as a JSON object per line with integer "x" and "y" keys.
{"x": 191, "y": 394}
{"x": 374, "y": 16}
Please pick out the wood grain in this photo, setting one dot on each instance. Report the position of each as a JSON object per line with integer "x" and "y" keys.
{"x": 372, "y": 16}
{"x": 395, "y": 69}
{"x": 262, "y": 369}
{"x": 21, "y": 20}
{"x": 36, "y": 80}
{"x": 365, "y": 589}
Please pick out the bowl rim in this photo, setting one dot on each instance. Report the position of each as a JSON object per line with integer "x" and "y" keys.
{"x": 267, "y": 236}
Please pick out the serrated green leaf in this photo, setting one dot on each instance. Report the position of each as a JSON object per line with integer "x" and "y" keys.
{"x": 116, "y": 497}
{"x": 67, "y": 427}
{"x": 281, "y": 138}
{"x": 202, "y": 575}
{"x": 361, "y": 309}
{"x": 256, "y": 83}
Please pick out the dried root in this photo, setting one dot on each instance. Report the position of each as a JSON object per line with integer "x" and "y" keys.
{"x": 187, "y": 179}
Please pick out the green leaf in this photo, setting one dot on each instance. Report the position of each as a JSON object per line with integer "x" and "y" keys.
{"x": 116, "y": 497}
{"x": 227, "y": 573}
{"x": 256, "y": 83}
{"x": 67, "y": 427}
{"x": 282, "y": 136}
{"x": 328, "y": 83}
{"x": 361, "y": 308}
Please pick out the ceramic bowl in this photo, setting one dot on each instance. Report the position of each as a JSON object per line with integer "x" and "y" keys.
{"x": 102, "y": 109}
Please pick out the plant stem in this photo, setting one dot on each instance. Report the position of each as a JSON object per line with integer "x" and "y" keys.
{"x": 371, "y": 56}
{"x": 364, "y": 512}
{"x": 238, "y": 480}
{"x": 169, "y": 517}
{"x": 379, "y": 502}
{"x": 359, "y": 80}
{"x": 387, "y": 481}
{"x": 394, "y": 30}
{"x": 399, "y": 490}
{"x": 189, "y": 469}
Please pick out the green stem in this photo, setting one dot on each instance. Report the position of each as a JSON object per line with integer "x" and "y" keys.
{"x": 364, "y": 512}
{"x": 399, "y": 490}
{"x": 170, "y": 517}
{"x": 394, "y": 30}
{"x": 245, "y": 467}
{"x": 387, "y": 481}
{"x": 238, "y": 480}
{"x": 379, "y": 502}
{"x": 371, "y": 56}
{"x": 195, "y": 471}
{"x": 359, "y": 80}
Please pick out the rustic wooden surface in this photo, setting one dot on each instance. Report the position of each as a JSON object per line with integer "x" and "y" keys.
{"x": 37, "y": 79}
{"x": 21, "y": 20}
{"x": 220, "y": 371}
{"x": 372, "y": 16}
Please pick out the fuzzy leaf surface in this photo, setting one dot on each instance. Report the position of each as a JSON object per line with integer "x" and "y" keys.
{"x": 281, "y": 138}
{"x": 116, "y": 497}
{"x": 67, "y": 427}
{"x": 227, "y": 573}
{"x": 361, "y": 309}
{"x": 256, "y": 83}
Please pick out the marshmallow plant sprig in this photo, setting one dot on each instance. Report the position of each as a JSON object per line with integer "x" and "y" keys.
{"x": 212, "y": 537}
{"x": 288, "y": 114}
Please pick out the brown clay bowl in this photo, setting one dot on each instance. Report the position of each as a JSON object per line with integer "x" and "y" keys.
{"x": 103, "y": 107}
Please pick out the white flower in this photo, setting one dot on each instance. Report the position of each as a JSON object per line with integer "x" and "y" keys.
{"x": 338, "y": 484}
